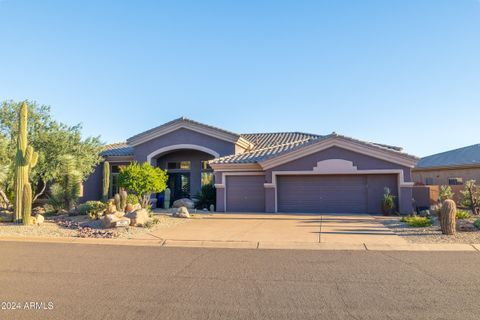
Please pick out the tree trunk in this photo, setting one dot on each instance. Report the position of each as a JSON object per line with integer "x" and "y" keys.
{"x": 4, "y": 198}
{"x": 40, "y": 193}
{"x": 448, "y": 217}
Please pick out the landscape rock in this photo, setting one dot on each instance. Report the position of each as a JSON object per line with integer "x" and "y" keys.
{"x": 39, "y": 219}
{"x": 112, "y": 221}
{"x": 138, "y": 218}
{"x": 119, "y": 214}
{"x": 129, "y": 208}
{"x": 182, "y": 212}
{"x": 111, "y": 209}
{"x": 185, "y": 202}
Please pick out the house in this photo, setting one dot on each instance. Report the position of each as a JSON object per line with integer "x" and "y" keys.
{"x": 452, "y": 167}
{"x": 268, "y": 172}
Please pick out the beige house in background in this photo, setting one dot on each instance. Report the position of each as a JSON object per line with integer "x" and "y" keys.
{"x": 452, "y": 167}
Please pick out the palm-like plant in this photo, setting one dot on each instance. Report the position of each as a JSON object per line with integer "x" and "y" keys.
{"x": 206, "y": 197}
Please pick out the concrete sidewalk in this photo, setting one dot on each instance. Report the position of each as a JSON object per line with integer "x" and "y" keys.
{"x": 261, "y": 245}
{"x": 357, "y": 232}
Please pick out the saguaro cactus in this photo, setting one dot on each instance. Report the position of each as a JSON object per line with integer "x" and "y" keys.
{"x": 448, "y": 216}
{"x": 25, "y": 159}
{"x": 106, "y": 180}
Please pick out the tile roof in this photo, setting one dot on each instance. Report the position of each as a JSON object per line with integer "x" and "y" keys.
{"x": 459, "y": 157}
{"x": 266, "y": 145}
{"x": 289, "y": 142}
{"x": 117, "y": 150}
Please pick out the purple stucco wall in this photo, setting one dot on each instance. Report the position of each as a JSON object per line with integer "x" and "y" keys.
{"x": 376, "y": 183}
{"x": 92, "y": 187}
{"x": 183, "y": 136}
{"x": 362, "y": 162}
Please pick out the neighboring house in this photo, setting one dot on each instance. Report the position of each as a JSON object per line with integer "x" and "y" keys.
{"x": 268, "y": 172}
{"x": 452, "y": 167}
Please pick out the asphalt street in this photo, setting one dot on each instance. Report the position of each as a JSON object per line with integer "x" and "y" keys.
{"x": 78, "y": 281}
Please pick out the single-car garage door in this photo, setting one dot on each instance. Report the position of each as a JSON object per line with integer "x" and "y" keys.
{"x": 245, "y": 193}
{"x": 323, "y": 193}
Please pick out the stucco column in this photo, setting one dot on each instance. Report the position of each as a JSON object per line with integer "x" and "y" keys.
{"x": 405, "y": 205}
{"x": 270, "y": 199}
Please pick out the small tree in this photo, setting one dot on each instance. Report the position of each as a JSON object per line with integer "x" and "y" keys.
{"x": 142, "y": 180}
{"x": 65, "y": 192}
{"x": 445, "y": 193}
{"x": 471, "y": 196}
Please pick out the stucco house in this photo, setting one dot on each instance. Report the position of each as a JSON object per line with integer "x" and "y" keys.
{"x": 268, "y": 172}
{"x": 452, "y": 167}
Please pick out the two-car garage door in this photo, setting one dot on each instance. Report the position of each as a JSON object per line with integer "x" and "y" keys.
{"x": 332, "y": 193}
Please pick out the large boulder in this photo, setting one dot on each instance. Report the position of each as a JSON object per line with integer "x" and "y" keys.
{"x": 138, "y": 218}
{"x": 185, "y": 202}
{"x": 39, "y": 219}
{"x": 182, "y": 212}
{"x": 112, "y": 221}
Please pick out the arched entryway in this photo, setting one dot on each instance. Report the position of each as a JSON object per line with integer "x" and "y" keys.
{"x": 187, "y": 168}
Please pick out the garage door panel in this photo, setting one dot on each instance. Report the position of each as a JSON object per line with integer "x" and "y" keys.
{"x": 245, "y": 193}
{"x": 322, "y": 194}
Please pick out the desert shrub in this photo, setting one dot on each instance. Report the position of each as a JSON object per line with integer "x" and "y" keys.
{"x": 388, "y": 202}
{"x": 206, "y": 197}
{"x": 132, "y": 199}
{"x": 445, "y": 193}
{"x": 416, "y": 221}
{"x": 463, "y": 214}
{"x": 477, "y": 223}
{"x": 471, "y": 196}
{"x": 91, "y": 208}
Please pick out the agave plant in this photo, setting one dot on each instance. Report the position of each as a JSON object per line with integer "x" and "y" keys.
{"x": 206, "y": 197}
{"x": 388, "y": 202}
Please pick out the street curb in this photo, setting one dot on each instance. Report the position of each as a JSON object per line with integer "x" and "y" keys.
{"x": 261, "y": 245}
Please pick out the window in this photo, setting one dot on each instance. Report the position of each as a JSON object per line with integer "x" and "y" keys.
{"x": 455, "y": 181}
{"x": 429, "y": 181}
{"x": 207, "y": 175}
{"x": 207, "y": 178}
{"x": 180, "y": 165}
{"x": 206, "y": 165}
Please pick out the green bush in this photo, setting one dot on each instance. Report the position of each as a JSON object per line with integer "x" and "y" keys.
{"x": 417, "y": 221}
{"x": 132, "y": 199}
{"x": 206, "y": 197}
{"x": 92, "y": 208}
{"x": 477, "y": 223}
{"x": 463, "y": 214}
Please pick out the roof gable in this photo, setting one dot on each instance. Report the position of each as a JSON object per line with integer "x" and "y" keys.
{"x": 270, "y": 157}
{"x": 190, "y": 125}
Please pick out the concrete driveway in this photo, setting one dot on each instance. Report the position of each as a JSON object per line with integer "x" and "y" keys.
{"x": 281, "y": 228}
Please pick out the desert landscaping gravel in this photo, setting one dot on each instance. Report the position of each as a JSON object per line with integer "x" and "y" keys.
{"x": 81, "y": 226}
{"x": 433, "y": 234}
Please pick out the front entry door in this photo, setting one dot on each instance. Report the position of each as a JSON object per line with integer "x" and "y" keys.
{"x": 179, "y": 184}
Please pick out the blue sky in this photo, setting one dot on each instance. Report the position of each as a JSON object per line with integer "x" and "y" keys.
{"x": 398, "y": 72}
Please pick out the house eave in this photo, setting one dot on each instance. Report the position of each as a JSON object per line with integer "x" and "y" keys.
{"x": 236, "y": 166}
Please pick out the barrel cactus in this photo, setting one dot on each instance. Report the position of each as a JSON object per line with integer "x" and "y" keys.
{"x": 26, "y": 158}
{"x": 448, "y": 215}
{"x": 106, "y": 181}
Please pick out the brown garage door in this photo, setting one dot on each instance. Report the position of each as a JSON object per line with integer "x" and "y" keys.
{"x": 245, "y": 193}
{"x": 323, "y": 194}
